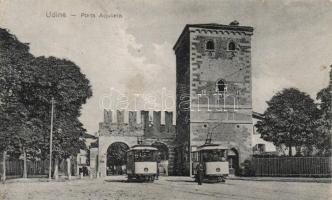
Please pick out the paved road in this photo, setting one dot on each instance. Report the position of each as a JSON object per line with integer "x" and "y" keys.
{"x": 166, "y": 188}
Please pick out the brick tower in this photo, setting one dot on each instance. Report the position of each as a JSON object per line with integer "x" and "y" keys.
{"x": 213, "y": 91}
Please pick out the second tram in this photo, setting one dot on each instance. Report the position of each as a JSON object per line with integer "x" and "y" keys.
{"x": 142, "y": 163}
{"x": 213, "y": 157}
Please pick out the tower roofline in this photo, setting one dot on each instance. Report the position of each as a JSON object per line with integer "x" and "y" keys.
{"x": 214, "y": 26}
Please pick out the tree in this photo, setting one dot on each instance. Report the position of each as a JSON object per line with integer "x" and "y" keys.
{"x": 14, "y": 59}
{"x": 27, "y": 85}
{"x": 62, "y": 80}
{"x": 116, "y": 154}
{"x": 324, "y": 129}
{"x": 289, "y": 120}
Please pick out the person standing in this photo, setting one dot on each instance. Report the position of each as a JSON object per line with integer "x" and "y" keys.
{"x": 157, "y": 175}
{"x": 200, "y": 173}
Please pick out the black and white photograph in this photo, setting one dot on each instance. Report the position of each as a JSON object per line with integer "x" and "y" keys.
{"x": 165, "y": 99}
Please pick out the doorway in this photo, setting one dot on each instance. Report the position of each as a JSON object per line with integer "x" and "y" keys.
{"x": 116, "y": 159}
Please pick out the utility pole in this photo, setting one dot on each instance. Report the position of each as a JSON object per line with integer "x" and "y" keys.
{"x": 51, "y": 137}
{"x": 4, "y": 166}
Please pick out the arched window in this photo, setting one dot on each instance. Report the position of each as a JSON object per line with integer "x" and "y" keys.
{"x": 221, "y": 86}
{"x": 231, "y": 46}
{"x": 210, "y": 45}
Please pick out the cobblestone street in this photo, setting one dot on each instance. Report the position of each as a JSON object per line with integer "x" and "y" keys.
{"x": 165, "y": 188}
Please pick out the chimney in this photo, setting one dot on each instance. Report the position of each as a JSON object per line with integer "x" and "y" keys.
{"x": 234, "y": 23}
{"x": 156, "y": 121}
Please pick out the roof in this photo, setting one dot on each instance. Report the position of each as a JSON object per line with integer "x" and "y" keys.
{"x": 143, "y": 147}
{"x": 222, "y": 26}
{"x": 232, "y": 27}
{"x": 89, "y": 136}
{"x": 211, "y": 147}
{"x": 257, "y": 115}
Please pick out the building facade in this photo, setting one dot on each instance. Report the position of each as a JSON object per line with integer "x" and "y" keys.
{"x": 123, "y": 128}
{"x": 213, "y": 91}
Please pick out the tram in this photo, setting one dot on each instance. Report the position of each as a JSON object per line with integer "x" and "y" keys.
{"x": 213, "y": 157}
{"x": 142, "y": 163}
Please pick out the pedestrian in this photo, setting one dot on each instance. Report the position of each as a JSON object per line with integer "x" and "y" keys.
{"x": 157, "y": 175}
{"x": 200, "y": 173}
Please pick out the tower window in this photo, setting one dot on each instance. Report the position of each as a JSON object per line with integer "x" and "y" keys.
{"x": 231, "y": 46}
{"x": 221, "y": 86}
{"x": 210, "y": 45}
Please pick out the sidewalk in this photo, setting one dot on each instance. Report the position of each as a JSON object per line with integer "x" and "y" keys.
{"x": 283, "y": 179}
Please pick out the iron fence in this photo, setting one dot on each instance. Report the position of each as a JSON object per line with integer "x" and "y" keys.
{"x": 37, "y": 168}
{"x": 292, "y": 166}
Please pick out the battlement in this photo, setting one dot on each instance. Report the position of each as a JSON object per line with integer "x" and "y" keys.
{"x": 137, "y": 123}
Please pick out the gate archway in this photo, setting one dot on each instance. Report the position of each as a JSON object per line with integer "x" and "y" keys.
{"x": 116, "y": 158}
{"x": 233, "y": 159}
{"x": 163, "y": 154}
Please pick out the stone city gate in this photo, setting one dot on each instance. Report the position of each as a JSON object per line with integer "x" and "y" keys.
{"x": 126, "y": 126}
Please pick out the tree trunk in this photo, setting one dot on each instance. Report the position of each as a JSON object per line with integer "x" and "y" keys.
{"x": 298, "y": 150}
{"x": 4, "y": 166}
{"x": 290, "y": 153}
{"x": 68, "y": 168}
{"x": 290, "y": 150}
{"x": 25, "y": 173}
{"x": 56, "y": 169}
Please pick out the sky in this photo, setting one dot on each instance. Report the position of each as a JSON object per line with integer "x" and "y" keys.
{"x": 132, "y": 52}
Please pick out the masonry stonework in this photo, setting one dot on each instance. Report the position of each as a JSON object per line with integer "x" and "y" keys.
{"x": 127, "y": 130}
{"x": 213, "y": 66}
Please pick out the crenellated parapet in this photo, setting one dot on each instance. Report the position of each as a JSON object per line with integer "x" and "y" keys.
{"x": 137, "y": 123}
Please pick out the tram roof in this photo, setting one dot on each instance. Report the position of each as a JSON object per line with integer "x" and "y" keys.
{"x": 211, "y": 147}
{"x": 142, "y": 147}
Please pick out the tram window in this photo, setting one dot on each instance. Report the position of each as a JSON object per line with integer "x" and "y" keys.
{"x": 145, "y": 155}
{"x": 214, "y": 155}
{"x": 205, "y": 156}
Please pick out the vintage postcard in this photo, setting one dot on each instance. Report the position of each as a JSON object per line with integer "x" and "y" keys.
{"x": 165, "y": 99}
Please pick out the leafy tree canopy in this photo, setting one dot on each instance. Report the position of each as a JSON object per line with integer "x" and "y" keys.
{"x": 324, "y": 129}
{"x": 14, "y": 59}
{"x": 289, "y": 119}
{"x": 116, "y": 154}
{"x": 27, "y": 85}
